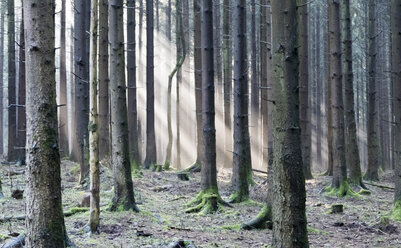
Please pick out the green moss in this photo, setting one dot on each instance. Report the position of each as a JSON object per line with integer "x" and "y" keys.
{"x": 312, "y": 230}
{"x": 3, "y": 237}
{"x": 364, "y": 192}
{"x": 166, "y": 165}
{"x": 250, "y": 177}
{"x": 395, "y": 213}
{"x": 75, "y": 169}
{"x": 238, "y": 197}
{"x": 135, "y": 165}
{"x": 342, "y": 191}
{"x": 207, "y": 201}
{"x": 75, "y": 210}
{"x": 235, "y": 227}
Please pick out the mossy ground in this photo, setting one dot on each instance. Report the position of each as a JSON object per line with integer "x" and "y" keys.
{"x": 163, "y": 214}
{"x": 342, "y": 191}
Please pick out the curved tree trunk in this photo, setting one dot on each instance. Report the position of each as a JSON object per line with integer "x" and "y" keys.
{"x": 43, "y": 190}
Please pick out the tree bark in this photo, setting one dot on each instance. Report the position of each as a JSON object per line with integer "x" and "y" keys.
{"x": 103, "y": 80}
{"x": 123, "y": 188}
{"x": 2, "y": 20}
{"x": 132, "y": 92}
{"x": 373, "y": 122}
{"x": 302, "y": 15}
{"x": 151, "y": 154}
{"x": 94, "y": 122}
{"x": 63, "y": 110}
{"x": 12, "y": 103}
{"x": 44, "y": 212}
{"x": 21, "y": 110}
{"x": 81, "y": 73}
{"x": 227, "y": 77}
{"x": 351, "y": 148}
{"x": 242, "y": 164}
{"x": 396, "y": 94}
{"x": 289, "y": 219}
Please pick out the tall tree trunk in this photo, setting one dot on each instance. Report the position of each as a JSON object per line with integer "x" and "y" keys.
{"x": 12, "y": 103}
{"x": 151, "y": 157}
{"x": 319, "y": 95}
{"x": 339, "y": 182}
{"x": 208, "y": 199}
{"x": 289, "y": 219}
{"x": 21, "y": 110}
{"x": 103, "y": 80}
{"x": 198, "y": 80}
{"x": 351, "y": 143}
{"x": 131, "y": 76}
{"x": 373, "y": 123}
{"x": 81, "y": 73}
{"x": 2, "y": 20}
{"x": 94, "y": 122}
{"x": 123, "y": 188}
{"x": 242, "y": 163}
{"x": 396, "y": 97}
{"x": 227, "y": 74}
{"x": 63, "y": 110}
{"x": 168, "y": 22}
{"x": 157, "y": 16}
{"x": 302, "y": 14}
{"x": 43, "y": 190}
{"x": 265, "y": 73}
{"x": 255, "y": 87}
{"x": 217, "y": 43}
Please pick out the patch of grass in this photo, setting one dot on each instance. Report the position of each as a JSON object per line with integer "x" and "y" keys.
{"x": 312, "y": 230}
{"x": 76, "y": 169}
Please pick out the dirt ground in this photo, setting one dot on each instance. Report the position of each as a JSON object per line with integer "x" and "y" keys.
{"x": 162, "y": 198}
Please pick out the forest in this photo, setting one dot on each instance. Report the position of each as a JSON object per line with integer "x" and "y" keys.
{"x": 202, "y": 123}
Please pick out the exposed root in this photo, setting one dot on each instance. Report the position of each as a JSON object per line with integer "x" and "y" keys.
{"x": 238, "y": 197}
{"x": 395, "y": 213}
{"x": 261, "y": 221}
{"x": 342, "y": 191}
{"x": 195, "y": 167}
{"x": 206, "y": 202}
{"x": 120, "y": 207}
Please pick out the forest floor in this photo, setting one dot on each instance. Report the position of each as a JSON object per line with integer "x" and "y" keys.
{"x": 162, "y": 220}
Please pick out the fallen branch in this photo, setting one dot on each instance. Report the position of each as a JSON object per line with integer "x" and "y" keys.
{"x": 16, "y": 242}
{"x": 68, "y": 213}
{"x": 264, "y": 172}
{"x": 380, "y": 186}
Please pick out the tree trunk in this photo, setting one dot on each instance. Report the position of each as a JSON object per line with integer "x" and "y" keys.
{"x": 242, "y": 165}
{"x": 12, "y": 103}
{"x": 2, "y": 20}
{"x": 217, "y": 43}
{"x": 21, "y": 110}
{"x": 319, "y": 92}
{"x": 302, "y": 14}
{"x": 123, "y": 188}
{"x": 227, "y": 73}
{"x": 157, "y": 16}
{"x": 81, "y": 72}
{"x": 373, "y": 123}
{"x": 63, "y": 110}
{"x": 198, "y": 79}
{"x": 396, "y": 96}
{"x": 94, "y": 122}
{"x": 339, "y": 182}
{"x": 103, "y": 80}
{"x": 289, "y": 219}
{"x": 151, "y": 155}
{"x": 43, "y": 190}
{"x": 131, "y": 76}
{"x": 351, "y": 148}
{"x": 168, "y": 22}
{"x": 265, "y": 73}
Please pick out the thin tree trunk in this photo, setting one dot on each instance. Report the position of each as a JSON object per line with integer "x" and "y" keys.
{"x": 227, "y": 74}
{"x": 2, "y": 20}
{"x": 21, "y": 110}
{"x": 396, "y": 96}
{"x": 289, "y": 219}
{"x": 123, "y": 188}
{"x": 132, "y": 92}
{"x": 43, "y": 190}
{"x": 94, "y": 122}
{"x": 151, "y": 153}
{"x": 373, "y": 122}
{"x": 168, "y": 22}
{"x": 12, "y": 103}
{"x": 103, "y": 80}
{"x": 302, "y": 14}
{"x": 328, "y": 104}
{"x": 63, "y": 110}
{"x": 319, "y": 93}
{"x": 242, "y": 165}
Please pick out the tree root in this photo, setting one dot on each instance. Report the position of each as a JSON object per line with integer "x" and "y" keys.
{"x": 238, "y": 197}
{"x": 195, "y": 167}
{"x": 342, "y": 191}
{"x": 261, "y": 221}
{"x": 206, "y": 202}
